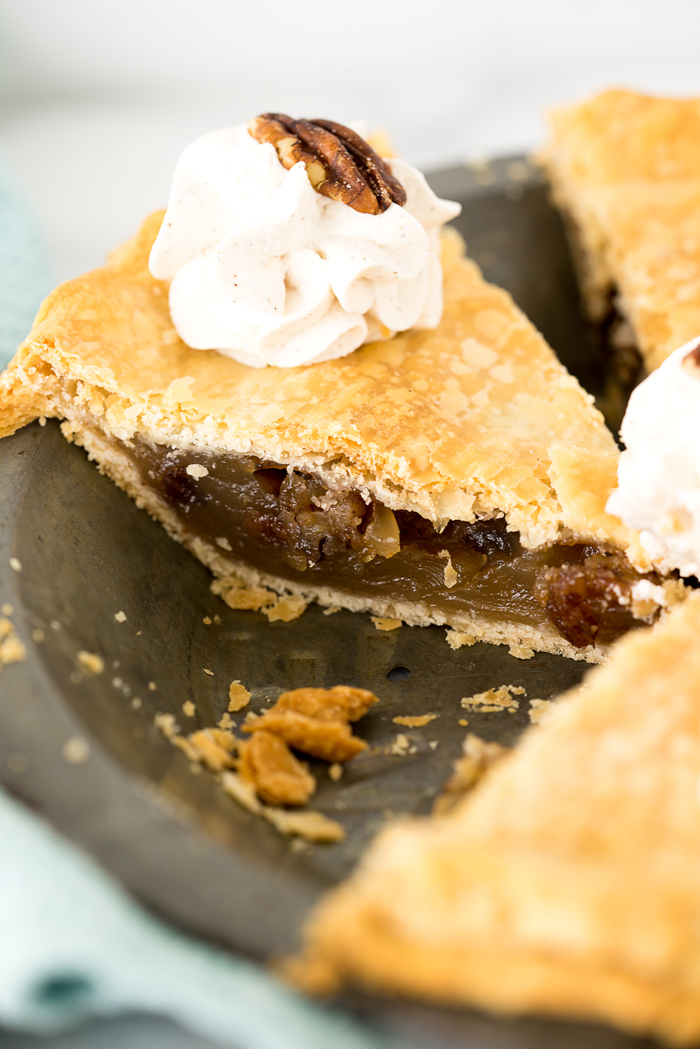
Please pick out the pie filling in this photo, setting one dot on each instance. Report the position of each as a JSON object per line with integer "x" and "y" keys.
{"x": 291, "y": 525}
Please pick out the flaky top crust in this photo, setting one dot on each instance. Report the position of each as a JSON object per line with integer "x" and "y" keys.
{"x": 626, "y": 169}
{"x": 569, "y": 882}
{"x": 476, "y": 417}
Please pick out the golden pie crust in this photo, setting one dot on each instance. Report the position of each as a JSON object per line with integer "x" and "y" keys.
{"x": 568, "y": 882}
{"x": 625, "y": 169}
{"x": 476, "y": 418}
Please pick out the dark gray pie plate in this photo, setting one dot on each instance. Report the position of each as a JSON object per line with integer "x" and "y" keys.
{"x": 184, "y": 848}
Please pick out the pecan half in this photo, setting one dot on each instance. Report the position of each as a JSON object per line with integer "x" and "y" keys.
{"x": 339, "y": 163}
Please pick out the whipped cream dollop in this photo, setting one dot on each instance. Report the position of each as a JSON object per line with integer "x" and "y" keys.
{"x": 266, "y": 270}
{"x": 659, "y": 473}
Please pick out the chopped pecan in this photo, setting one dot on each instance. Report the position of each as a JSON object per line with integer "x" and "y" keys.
{"x": 339, "y": 163}
{"x": 279, "y": 778}
{"x": 315, "y": 720}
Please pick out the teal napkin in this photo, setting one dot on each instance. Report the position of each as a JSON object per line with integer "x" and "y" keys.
{"x": 25, "y": 277}
{"x": 73, "y": 944}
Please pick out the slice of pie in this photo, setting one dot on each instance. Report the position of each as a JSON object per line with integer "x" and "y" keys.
{"x": 568, "y": 883}
{"x": 625, "y": 169}
{"x": 455, "y": 476}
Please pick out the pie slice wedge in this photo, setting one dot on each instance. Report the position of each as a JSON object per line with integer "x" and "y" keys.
{"x": 456, "y": 476}
{"x": 625, "y": 170}
{"x": 568, "y": 882}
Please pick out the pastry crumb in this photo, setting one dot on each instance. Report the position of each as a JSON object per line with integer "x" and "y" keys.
{"x": 239, "y": 596}
{"x": 299, "y": 844}
{"x": 494, "y": 699}
{"x": 152, "y": 686}
{"x": 15, "y": 564}
{"x": 456, "y": 639}
{"x": 313, "y": 826}
{"x": 434, "y": 744}
{"x": 386, "y": 622}
{"x": 285, "y": 609}
{"x": 226, "y": 722}
{"x": 209, "y": 673}
{"x": 398, "y": 747}
{"x": 477, "y": 758}
{"x": 463, "y": 722}
{"x": 196, "y": 470}
{"x": 189, "y": 709}
{"x": 76, "y": 750}
{"x": 242, "y": 792}
{"x": 223, "y": 542}
{"x": 38, "y": 635}
{"x": 12, "y": 649}
{"x": 451, "y": 576}
{"x": 521, "y": 651}
{"x": 238, "y": 697}
{"x": 331, "y": 610}
{"x": 167, "y": 725}
{"x": 414, "y": 720}
{"x": 335, "y": 771}
{"x": 538, "y": 710}
{"x": 136, "y": 703}
{"x": 213, "y": 747}
{"x": 207, "y": 621}
{"x": 120, "y": 617}
{"x": 90, "y": 662}
{"x": 217, "y": 619}
{"x": 7, "y": 609}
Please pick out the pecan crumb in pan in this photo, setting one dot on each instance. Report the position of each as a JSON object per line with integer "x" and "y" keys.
{"x": 316, "y": 720}
{"x": 339, "y": 163}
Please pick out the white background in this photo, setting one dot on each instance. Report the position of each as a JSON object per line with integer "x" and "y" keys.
{"x": 98, "y": 97}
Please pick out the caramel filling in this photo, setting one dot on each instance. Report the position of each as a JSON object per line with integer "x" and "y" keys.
{"x": 293, "y": 526}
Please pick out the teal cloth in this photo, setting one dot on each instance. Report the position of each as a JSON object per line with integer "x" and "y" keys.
{"x": 73, "y": 944}
{"x": 25, "y": 276}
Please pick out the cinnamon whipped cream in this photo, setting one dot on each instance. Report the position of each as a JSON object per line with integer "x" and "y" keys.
{"x": 269, "y": 272}
{"x": 659, "y": 473}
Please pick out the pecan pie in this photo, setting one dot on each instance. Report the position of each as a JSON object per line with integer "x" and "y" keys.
{"x": 625, "y": 170}
{"x": 568, "y": 881}
{"x": 456, "y": 476}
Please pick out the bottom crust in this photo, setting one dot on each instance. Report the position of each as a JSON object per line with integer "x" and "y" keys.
{"x": 120, "y": 469}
